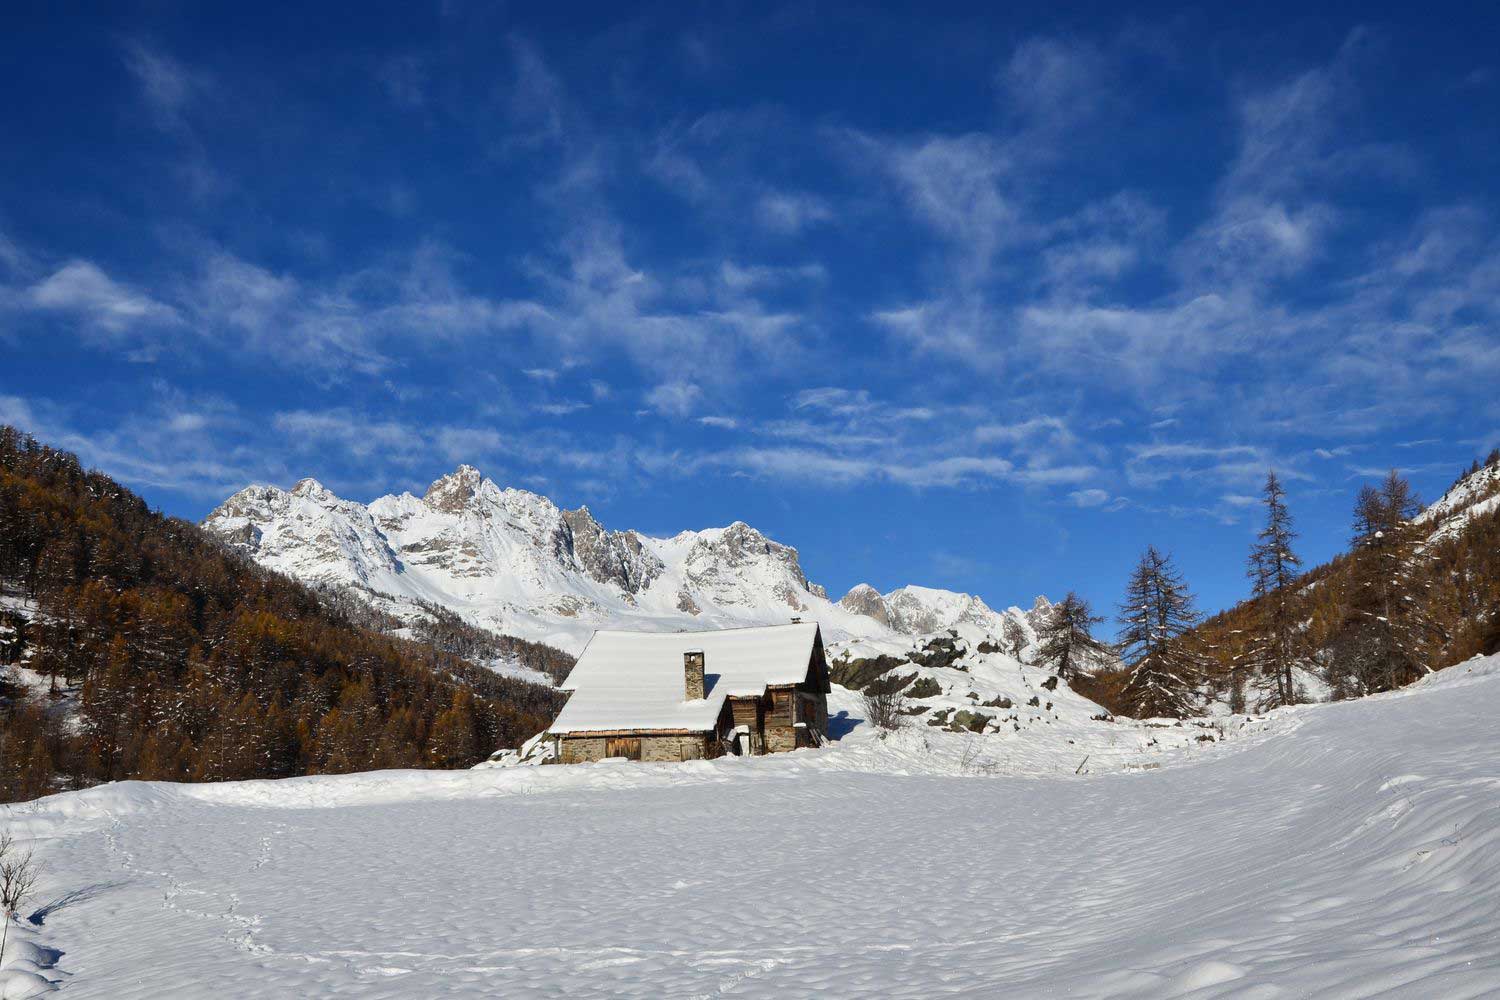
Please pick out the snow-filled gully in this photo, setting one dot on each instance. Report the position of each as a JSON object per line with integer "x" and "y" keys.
{"x": 1355, "y": 854}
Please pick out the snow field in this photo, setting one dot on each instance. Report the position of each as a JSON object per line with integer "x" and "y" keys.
{"x": 1339, "y": 851}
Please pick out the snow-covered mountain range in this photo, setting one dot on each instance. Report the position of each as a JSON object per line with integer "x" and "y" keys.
{"x": 513, "y": 561}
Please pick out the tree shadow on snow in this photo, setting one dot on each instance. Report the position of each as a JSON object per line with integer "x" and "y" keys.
{"x": 88, "y": 892}
{"x": 842, "y": 725}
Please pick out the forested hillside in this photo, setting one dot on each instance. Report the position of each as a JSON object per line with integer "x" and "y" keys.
{"x": 135, "y": 645}
{"x": 1418, "y": 590}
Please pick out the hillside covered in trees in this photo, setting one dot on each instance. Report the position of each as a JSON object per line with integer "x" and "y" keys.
{"x": 135, "y": 645}
{"x": 1418, "y": 590}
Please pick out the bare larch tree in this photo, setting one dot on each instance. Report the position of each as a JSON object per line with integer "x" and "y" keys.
{"x": 1066, "y": 637}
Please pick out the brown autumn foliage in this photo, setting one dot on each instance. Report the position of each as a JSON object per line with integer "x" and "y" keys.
{"x": 181, "y": 660}
{"x": 1374, "y": 618}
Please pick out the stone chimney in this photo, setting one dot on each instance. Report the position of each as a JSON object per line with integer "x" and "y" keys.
{"x": 692, "y": 675}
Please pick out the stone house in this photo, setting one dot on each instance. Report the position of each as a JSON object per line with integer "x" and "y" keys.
{"x": 689, "y": 695}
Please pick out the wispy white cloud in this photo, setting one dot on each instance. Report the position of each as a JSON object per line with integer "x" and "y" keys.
{"x": 834, "y": 399}
{"x": 348, "y": 322}
{"x": 356, "y": 434}
{"x": 167, "y": 86}
{"x": 81, "y": 288}
{"x": 958, "y": 187}
{"x": 1150, "y": 465}
{"x": 674, "y": 399}
{"x": 790, "y": 212}
{"x": 194, "y": 444}
{"x": 561, "y": 409}
{"x": 1057, "y": 82}
{"x": 723, "y": 423}
{"x": 1089, "y": 498}
{"x": 535, "y": 102}
{"x": 1053, "y": 430}
{"x": 743, "y": 277}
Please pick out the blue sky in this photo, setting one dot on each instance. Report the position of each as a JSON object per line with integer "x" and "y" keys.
{"x": 979, "y": 300}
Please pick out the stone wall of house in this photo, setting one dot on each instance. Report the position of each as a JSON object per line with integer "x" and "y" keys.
{"x": 667, "y": 748}
{"x": 577, "y": 749}
{"x": 780, "y": 739}
{"x": 580, "y": 749}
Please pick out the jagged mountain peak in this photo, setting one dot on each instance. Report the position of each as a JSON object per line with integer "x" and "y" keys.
{"x": 310, "y": 487}
{"x": 864, "y": 599}
{"x": 918, "y": 610}
{"x": 453, "y": 492}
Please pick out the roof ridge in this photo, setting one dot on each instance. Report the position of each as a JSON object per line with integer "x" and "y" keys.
{"x": 698, "y": 631}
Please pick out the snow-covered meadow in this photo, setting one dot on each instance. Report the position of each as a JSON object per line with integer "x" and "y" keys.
{"x": 1344, "y": 850}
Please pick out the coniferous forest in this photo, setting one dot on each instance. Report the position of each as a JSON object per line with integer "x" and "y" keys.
{"x": 1404, "y": 600}
{"x": 154, "y": 652}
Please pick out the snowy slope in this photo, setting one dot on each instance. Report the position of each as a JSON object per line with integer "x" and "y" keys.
{"x": 513, "y": 561}
{"x": 1472, "y": 496}
{"x": 1340, "y": 851}
{"x": 961, "y": 680}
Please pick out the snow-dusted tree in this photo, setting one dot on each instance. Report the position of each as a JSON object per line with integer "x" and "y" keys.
{"x": 1274, "y": 645}
{"x": 1015, "y": 637}
{"x": 1157, "y": 612}
{"x": 1392, "y": 644}
{"x": 1066, "y": 638}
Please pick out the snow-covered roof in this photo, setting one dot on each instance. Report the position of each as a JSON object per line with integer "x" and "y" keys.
{"x": 634, "y": 680}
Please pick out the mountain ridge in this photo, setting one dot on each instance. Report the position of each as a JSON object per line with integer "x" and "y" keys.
{"x": 516, "y": 562}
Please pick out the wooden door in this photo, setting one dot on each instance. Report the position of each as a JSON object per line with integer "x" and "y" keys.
{"x": 623, "y": 746}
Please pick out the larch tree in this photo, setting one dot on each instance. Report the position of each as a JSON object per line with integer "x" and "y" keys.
{"x": 1274, "y": 568}
{"x": 1391, "y": 646}
{"x": 1066, "y": 639}
{"x": 1157, "y": 613}
{"x": 1015, "y": 638}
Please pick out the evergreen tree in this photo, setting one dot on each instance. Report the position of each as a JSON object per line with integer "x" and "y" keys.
{"x": 1273, "y": 569}
{"x": 1157, "y": 612}
{"x": 1392, "y": 643}
{"x": 1066, "y": 638}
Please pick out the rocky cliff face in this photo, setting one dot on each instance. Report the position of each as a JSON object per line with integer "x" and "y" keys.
{"x": 613, "y": 557}
{"x": 864, "y": 599}
{"x": 728, "y": 565}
